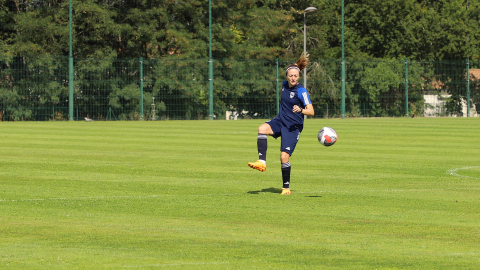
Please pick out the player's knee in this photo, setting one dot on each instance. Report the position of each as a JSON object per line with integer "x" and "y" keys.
{"x": 284, "y": 157}
{"x": 262, "y": 129}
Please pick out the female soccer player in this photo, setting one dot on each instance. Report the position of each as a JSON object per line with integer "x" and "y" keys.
{"x": 295, "y": 102}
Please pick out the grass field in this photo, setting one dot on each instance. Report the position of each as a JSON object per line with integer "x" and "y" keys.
{"x": 390, "y": 194}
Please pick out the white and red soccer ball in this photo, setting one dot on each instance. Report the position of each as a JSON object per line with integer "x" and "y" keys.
{"x": 327, "y": 136}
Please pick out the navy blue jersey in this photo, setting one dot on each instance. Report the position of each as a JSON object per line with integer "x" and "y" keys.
{"x": 296, "y": 95}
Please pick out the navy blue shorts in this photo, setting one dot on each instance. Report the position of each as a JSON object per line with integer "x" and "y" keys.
{"x": 289, "y": 135}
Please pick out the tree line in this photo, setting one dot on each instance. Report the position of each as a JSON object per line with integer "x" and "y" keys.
{"x": 242, "y": 29}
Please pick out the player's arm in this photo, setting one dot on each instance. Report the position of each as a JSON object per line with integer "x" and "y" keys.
{"x": 309, "y": 110}
{"x": 305, "y": 99}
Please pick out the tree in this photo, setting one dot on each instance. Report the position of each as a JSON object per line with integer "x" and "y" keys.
{"x": 424, "y": 30}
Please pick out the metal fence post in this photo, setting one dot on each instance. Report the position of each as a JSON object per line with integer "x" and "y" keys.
{"x": 210, "y": 62}
{"x": 468, "y": 87}
{"x": 406, "y": 88}
{"x": 342, "y": 108}
{"x": 70, "y": 67}
{"x": 210, "y": 88}
{"x": 276, "y": 87}
{"x": 141, "y": 87}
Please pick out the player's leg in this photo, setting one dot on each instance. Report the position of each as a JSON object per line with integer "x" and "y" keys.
{"x": 289, "y": 141}
{"x": 286, "y": 169}
{"x": 264, "y": 130}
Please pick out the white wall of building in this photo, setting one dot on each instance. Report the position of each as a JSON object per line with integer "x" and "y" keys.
{"x": 437, "y": 105}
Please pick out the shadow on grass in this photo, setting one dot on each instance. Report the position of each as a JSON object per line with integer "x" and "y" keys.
{"x": 271, "y": 190}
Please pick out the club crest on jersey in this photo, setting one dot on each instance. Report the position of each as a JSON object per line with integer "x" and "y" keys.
{"x": 292, "y": 95}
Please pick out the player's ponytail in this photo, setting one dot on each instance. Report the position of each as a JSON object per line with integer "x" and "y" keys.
{"x": 300, "y": 64}
{"x": 302, "y": 61}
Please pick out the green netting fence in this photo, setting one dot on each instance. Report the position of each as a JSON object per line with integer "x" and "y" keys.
{"x": 36, "y": 88}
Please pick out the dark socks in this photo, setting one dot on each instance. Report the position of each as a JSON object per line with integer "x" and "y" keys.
{"x": 262, "y": 146}
{"x": 286, "y": 168}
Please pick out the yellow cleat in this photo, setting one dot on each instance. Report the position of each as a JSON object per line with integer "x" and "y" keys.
{"x": 286, "y": 191}
{"x": 258, "y": 165}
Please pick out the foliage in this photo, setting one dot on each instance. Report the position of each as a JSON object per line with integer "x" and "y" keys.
{"x": 31, "y": 87}
{"x": 35, "y": 88}
{"x": 324, "y": 88}
{"x": 179, "y": 87}
{"x": 423, "y": 30}
{"x": 246, "y": 29}
{"x": 378, "y": 32}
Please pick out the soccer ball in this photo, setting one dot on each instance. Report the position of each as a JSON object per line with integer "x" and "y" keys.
{"x": 327, "y": 136}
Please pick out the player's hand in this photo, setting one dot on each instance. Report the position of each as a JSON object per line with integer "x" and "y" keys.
{"x": 296, "y": 109}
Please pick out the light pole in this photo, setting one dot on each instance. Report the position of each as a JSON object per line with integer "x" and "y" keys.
{"x": 307, "y": 10}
